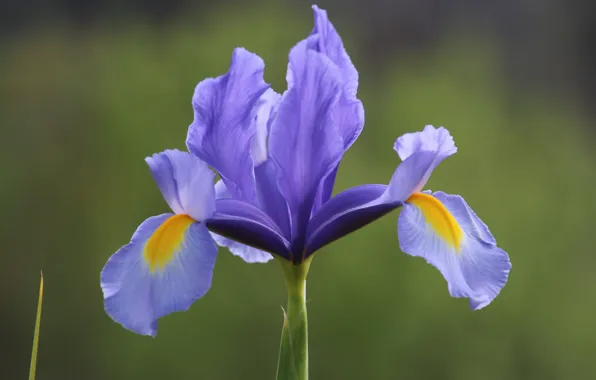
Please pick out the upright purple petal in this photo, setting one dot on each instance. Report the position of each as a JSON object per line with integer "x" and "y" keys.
{"x": 305, "y": 141}
{"x": 351, "y": 112}
{"x": 223, "y": 128}
{"x": 185, "y": 182}
{"x": 331, "y": 45}
{"x": 324, "y": 39}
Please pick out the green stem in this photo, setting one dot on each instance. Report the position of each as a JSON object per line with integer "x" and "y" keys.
{"x": 33, "y": 364}
{"x": 293, "y": 350}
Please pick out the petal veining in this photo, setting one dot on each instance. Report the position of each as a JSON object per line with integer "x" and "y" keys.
{"x": 305, "y": 142}
{"x": 224, "y": 124}
{"x": 330, "y": 44}
{"x": 350, "y": 113}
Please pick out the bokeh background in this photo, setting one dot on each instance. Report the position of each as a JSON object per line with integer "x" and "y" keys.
{"x": 89, "y": 88}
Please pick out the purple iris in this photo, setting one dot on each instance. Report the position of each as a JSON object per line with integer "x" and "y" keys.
{"x": 277, "y": 156}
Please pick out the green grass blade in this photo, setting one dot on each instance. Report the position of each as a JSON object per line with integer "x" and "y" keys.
{"x": 36, "y": 336}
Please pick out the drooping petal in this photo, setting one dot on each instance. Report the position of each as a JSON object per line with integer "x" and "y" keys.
{"x": 441, "y": 229}
{"x": 305, "y": 142}
{"x": 246, "y": 224}
{"x": 185, "y": 182}
{"x": 346, "y": 212}
{"x": 466, "y": 217}
{"x": 167, "y": 266}
{"x": 223, "y": 128}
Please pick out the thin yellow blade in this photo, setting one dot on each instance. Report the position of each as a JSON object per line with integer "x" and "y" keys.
{"x": 36, "y": 336}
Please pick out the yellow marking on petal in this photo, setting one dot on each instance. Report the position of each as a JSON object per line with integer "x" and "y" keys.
{"x": 439, "y": 218}
{"x": 165, "y": 241}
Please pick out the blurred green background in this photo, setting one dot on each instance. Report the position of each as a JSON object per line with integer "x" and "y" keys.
{"x": 86, "y": 96}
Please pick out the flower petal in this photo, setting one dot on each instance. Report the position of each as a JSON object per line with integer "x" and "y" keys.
{"x": 246, "y": 224}
{"x": 167, "y": 266}
{"x": 266, "y": 106}
{"x": 440, "y": 229}
{"x": 410, "y": 176}
{"x": 351, "y": 112}
{"x": 185, "y": 182}
{"x": 330, "y": 44}
{"x": 431, "y": 139}
{"x": 466, "y": 217}
{"x": 346, "y": 212}
{"x": 223, "y": 128}
{"x": 270, "y": 199}
{"x": 221, "y": 191}
{"x": 358, "y": 206}
{"x": 249, "y": 254}
{"x": 305, "y": 142}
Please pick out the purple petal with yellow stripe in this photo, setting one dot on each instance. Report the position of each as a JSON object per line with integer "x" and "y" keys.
{"x": 167, "y": 265}
{"x": 443, "y": 230}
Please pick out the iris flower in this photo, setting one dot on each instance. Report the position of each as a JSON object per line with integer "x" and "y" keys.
{"x": 278, "y": 156}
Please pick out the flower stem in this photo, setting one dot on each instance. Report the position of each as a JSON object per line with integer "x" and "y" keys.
{"x": 293, "y": 350}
